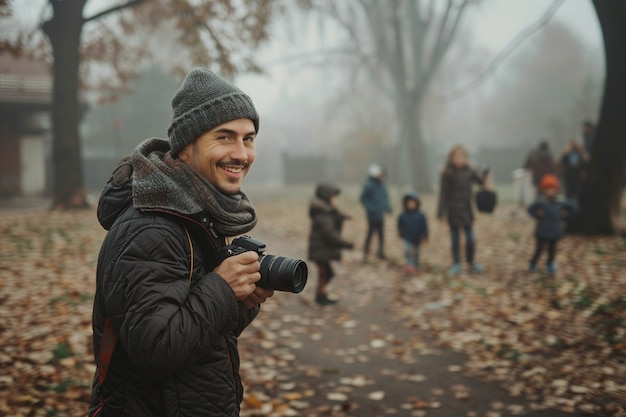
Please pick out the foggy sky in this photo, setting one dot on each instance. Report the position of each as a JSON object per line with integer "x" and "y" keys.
{"x": 301, "y": 96}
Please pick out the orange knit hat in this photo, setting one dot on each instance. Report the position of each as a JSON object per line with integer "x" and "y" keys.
{"x": 549, "y": 181}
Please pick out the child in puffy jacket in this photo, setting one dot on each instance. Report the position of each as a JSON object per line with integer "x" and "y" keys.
{"x": 325, "y": 241}
{"x": 550, "y": 213}
{"x": 455, "y": 205}
{"x": 413, "y": 229}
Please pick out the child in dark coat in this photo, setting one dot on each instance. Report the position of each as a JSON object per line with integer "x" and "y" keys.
{"x": 375, "y": 199}
{"x": 325, "y": 242}
{"x": 550, "y": 214}
{"x": 455, "y": 204}
{"x": 413, "y": 229}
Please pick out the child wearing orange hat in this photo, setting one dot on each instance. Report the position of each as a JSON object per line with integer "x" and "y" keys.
{"x": 550, "y": 213}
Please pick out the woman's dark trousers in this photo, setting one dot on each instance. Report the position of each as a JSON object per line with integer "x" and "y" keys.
{"x": 470, "y": 244}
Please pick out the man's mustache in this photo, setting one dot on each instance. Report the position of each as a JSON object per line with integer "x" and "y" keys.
{"x": 243, "y": 164}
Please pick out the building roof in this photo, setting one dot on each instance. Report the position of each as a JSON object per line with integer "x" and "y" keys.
{"x": 24, "y": 80}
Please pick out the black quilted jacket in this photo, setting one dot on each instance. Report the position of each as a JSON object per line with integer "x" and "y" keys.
{"x": 325, "y": 241}
{"x": 176, "y": 350}
{"x": 455, "y": 195}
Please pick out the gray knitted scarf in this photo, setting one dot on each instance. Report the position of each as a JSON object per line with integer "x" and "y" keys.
{"x": 161, "y": 181}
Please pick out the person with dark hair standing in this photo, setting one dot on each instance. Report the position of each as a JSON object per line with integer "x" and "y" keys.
{"x": 413, "y": 229}
{"x": 573, "y": 164}
{"x": 455, "y": 204}
{"x": 550, "y": 214}
{"x": 167, "y": 309}
{"x": 588, "y": 131}
{"x": 375, "y": 200}
{"x": 540, "y": 162}
{"x": 325, "y": 242}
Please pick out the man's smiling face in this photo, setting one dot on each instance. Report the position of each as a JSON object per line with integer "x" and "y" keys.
{"x": 223, "y": 155}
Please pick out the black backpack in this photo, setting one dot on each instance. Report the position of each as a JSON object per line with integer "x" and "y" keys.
{"x": 486, "y": 200}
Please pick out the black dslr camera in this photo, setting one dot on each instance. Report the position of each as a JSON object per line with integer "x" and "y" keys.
{"x": 277, "y": 272}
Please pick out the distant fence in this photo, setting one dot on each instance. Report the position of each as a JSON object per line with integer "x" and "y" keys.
{"x": 503, "y": 160}
{"x": 307, "y": 169}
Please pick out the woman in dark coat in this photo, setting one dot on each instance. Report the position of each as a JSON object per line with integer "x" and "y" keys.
{"x": 325, "y": 242}
{"x": 455, "y": 204}
{"x": 573, "y": 163}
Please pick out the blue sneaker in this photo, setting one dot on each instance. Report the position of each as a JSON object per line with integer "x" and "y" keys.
{"x": 551, "y": 268}
{"x": 532, "y": 268}
{"x": 455, "y": 269}
{"x": 477, "y": 268}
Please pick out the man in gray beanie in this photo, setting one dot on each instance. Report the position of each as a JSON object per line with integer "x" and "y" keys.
{"x": 168, "y": 308}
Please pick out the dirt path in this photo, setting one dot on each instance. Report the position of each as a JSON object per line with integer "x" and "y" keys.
{"x": 354, "y": 359}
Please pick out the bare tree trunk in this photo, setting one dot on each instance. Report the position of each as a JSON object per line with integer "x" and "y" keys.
{"x": 64, "y": 31}
{"x": 422, "y": 180}
{"x": 403, "y": 63}
{"x": 604, "y": 183}
{"x": 414, "y": 150}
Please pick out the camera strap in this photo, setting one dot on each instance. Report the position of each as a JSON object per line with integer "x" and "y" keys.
{"x": 107, "y": 346}
{"x": 190, "y": 250}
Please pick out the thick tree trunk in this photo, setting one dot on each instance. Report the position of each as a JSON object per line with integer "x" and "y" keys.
{"x": 604, "y": 183}
{"x": 64, "y": 31}
{"x": 414, "y": 158}
{"x": 418, "y": 163}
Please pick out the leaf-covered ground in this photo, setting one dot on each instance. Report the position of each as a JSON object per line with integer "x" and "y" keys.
{"x": 498, "y": 344}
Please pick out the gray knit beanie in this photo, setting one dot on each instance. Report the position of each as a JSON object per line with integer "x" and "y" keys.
{"x": 206, "y": 100}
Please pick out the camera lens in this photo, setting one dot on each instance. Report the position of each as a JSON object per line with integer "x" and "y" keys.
{"x": 282, "y": 274}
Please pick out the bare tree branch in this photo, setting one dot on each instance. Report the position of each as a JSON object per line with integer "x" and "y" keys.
{"x": 508, "y": 50}
{"x": 335, "y": 14}
{"x": 418, "y": 34}
{"x": 130, "y": 3}
{"x": 447, "y": 40}
{"x": 399, "y": 63}
{"x": 438, "y": 48}
{"x": 384, "y": 54}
